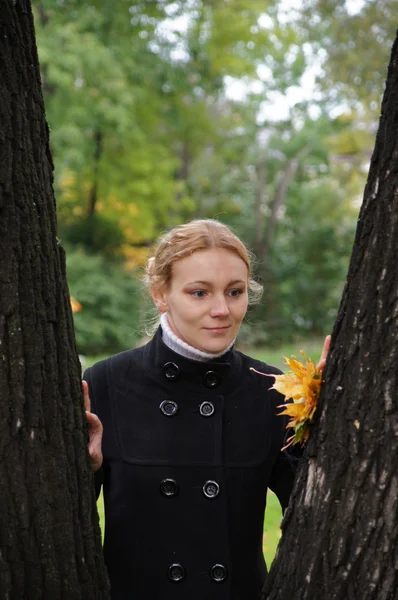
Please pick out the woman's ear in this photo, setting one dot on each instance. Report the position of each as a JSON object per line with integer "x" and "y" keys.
{"x": 159, "y": 298}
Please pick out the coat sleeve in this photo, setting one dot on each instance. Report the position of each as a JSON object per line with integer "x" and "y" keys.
{"x": 284, "y": 469}
{"x": 98, "y": 475}
{"x": 282, "y": 479}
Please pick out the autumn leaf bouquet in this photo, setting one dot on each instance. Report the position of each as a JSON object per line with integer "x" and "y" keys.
{"x": 301, "y": 387}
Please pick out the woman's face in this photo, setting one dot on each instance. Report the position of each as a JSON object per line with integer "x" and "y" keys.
{"x": 206, "y": 299}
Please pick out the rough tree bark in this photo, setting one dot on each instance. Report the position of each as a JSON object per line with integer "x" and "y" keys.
{"x": 340, "y": 533}
{"x": 50, "y": 543}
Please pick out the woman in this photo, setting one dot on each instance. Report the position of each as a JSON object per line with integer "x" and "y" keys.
{"x": 191, "y": 437}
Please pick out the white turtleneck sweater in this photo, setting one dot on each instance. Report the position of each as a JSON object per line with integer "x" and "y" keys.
{"x": 177, "y": 345}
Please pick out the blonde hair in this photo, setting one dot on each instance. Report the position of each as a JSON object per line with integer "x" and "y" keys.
{"x": 183, "y": 240}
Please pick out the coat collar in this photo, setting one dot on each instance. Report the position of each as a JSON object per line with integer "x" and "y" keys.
{"x": 215, "y": 375}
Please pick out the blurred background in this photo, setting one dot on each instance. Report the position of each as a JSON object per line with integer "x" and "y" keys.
{"x": 262, "y": 114}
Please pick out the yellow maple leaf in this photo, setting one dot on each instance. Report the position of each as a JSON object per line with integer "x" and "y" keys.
{"x": 300, "y": 387}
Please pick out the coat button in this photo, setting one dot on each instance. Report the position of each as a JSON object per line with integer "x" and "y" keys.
{"x": 176, "y": 572}
{"x": 218, "y": 573}
{"x": 206, "y": 409}
{"x": 212, "y": 379}
{"x": 211, "y": 489}
{"x": 169, "y": 408}
{"x": 171, "y": 371}
{"x": 169, "y": 487}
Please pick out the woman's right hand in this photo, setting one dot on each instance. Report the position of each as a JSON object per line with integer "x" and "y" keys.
{"x": 95, "y": 429}
{"x": 325, "y": 352}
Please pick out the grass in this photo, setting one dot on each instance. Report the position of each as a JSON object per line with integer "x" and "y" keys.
{"x": 274, "y": 356}
{"x": 272, "y": 532}
{"x": 273, "y": 515}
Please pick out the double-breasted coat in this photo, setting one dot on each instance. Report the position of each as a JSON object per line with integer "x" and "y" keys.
{"x": 189, "y": 449}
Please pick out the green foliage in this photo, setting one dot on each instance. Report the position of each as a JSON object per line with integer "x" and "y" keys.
{"x": 98, "y": 234}
{"x": 319, "y": 228}
{"x": 98, "y": 83}
{"x": 154, "y": 92}
{"x": 353, "y": 41}
{"x": 110, "y": 299}
{"x": 145, "y": 134}
{"x": 313, "y": 236}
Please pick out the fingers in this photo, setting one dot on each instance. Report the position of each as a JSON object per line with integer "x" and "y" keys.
{"x": 95, "y": 429}
{"x": 87, "y": 404}
{"x": 325, "y": 352}
{"x": 95, "y": 455}
{"x": 93, "y": 423}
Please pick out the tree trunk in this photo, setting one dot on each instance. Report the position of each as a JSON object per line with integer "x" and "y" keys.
{"x": 260, "y": 193}
{"x": 98, "y": 148}
{"x": 183, "y": 170}
{"x": 50, "y": 543}
{"x": 278, "y": 202}
{"x": 340, "y": 533}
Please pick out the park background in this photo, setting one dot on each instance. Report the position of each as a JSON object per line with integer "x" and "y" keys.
{"x": 260, "y": 114}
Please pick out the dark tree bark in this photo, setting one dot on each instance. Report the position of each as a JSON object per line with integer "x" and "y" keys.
{"x": 50, "y": 543}
{"x": 340, "y": 533}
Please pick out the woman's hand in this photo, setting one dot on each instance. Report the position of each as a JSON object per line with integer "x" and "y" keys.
{"x": 325, "y": 352}
{"x": 94, "y": 427}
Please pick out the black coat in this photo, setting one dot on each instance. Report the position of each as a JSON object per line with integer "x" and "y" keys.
{"x": 190, "y": 449}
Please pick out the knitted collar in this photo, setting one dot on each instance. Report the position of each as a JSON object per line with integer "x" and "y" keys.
{"x": 175, "y": 343}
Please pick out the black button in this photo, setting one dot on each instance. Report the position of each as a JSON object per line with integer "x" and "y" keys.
{"x": 176, "y": 572}
{"x": 212, "y": 379}
{"x": 171, "y": 371}
{"x": 169, "y": 487}
{"x": 218, "y": 573}
{"x": 206, "y": 409}
{"x": 211, "y": 489}
{"x": 169, "y": 408}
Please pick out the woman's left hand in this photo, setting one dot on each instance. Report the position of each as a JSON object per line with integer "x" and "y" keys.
{"x": 95, "y": 429}
{"x": 325, "y": 351}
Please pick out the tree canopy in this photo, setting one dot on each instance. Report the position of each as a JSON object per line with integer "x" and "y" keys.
{"x": 165, "y": 111}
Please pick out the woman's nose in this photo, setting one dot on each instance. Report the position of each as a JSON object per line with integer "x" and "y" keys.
{"x": 220, "y": 307}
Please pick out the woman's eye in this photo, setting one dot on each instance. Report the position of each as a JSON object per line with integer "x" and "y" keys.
{"x": 234, "y": 293}
{"x": 198, "y": 293}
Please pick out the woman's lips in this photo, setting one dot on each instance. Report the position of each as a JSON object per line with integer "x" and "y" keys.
{"x": 217, "y": 329}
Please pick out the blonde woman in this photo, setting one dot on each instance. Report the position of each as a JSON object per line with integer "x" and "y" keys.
{"x": 191, "y": 438}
